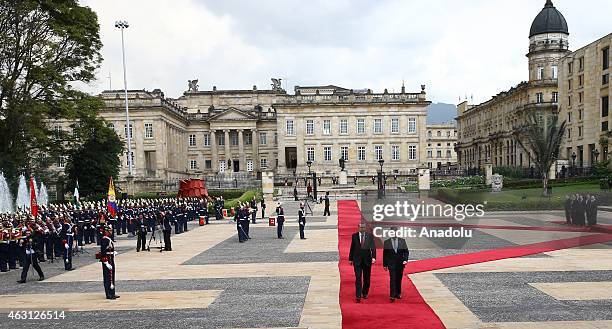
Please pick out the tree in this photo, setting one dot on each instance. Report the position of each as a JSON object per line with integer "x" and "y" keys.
{"x": 46, "y": 46}
{"x": 97, "y": 159}
{"x": 542, "y": 141}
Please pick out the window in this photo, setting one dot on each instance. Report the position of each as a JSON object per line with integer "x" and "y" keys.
{"x": 429, "y": 154}
{"x": 580, "y": 97}
{"x": 429, "y": 134}
{"x": 411, "y": 125}
{"x": 569, "y": 100}
{"x": 378, "y": 126}
{"x": 248, "y": 139}
{"x": 206, "y": 139}
{"x": 310, "y": 154}
{"x": 221, "y": 139}
{"x": 448, "y": 153}
{"x": 395, "y": 152}
{"x": 580, "y": 131}
{"x": 263, "y": 138}
{"x": 343, "y": 126}
{"x": 580, "y": 80}
{"x": 394, "y": 125}
{"x": 327, "y": 153}
{"x": 605, "y": 106}
{"x": 309, "y": 127}
{"x": 192, "y": 140}
{"x": 361, "y": 153}
{"x": 289, "y": 128}
{"x": 111, "y": 126}
{"x": 412, "y": 152}
{"x": 125, "y": 132}
{"x": 344, "y": 152}
{"x": 569, "y": 117}
{"x": 263, "y": 163}
{"x": 439, "y": 154}
{"x": 570, "y": 67}
{"x": 604, "y": 126}
{"x": 234, "y": 138}
{"x": 326, "y": 127}
{"x": 250, "y": 165}
{"x": 448, "y": 134}
{"x": 275, "y": 138}
{"x": 605, "y": 58}
{"x": 554, "y": 71}
{"x": 438, "y": 134}
{"x": 569, "y": 84}
{"x": 378, "y": 151}
{"x": 361, "y": 126}
{"x": 61, "y": 161}
{"x": 555, "y": 97}
{"x": 193, "y": 164}
{"x": 579, "y": 114}
{"x": 222, "y": 166}
{"x": 539, "y": 98}
{"x": 208, "y": 164}
{"x": 569, "y": 133}
{"x": 540, "y": 73}
{"x": 148, "y": 130}
{"x": 605, "y": 79}
{"x": 581, "y": 64}
{"x": 127, "y": 160}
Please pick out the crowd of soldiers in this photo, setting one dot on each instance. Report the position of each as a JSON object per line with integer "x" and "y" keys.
{"x": 581, "y": 210}
{"x": 59, "y": 230}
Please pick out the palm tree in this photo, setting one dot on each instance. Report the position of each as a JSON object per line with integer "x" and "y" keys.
{"x": 542, "y": 140}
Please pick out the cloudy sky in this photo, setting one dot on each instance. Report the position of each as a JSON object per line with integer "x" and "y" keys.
{"x": 456, "y": 48}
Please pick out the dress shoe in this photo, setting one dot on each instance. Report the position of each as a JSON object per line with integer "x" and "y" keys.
{"x": 41, "y": 278}
{"x": 392, "y": 300}
{"x": 358, "y": 300}
{"x": 21, "y": 281}
{"x": 116, "y": 296}
{"x": 365, "y": 296}
{"x": 399, "y": 297}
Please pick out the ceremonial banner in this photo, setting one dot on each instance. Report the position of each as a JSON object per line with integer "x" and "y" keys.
{"x": 112, "y": 204}
{"x": 33, "y": 204}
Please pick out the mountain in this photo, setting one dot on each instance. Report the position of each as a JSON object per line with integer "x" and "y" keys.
{"x": 441, "y": 113}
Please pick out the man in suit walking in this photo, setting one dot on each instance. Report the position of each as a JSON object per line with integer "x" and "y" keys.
{"x": 395, "y": 258}
{"x": 326, "y": 200}
{"x": 362, "y": 255}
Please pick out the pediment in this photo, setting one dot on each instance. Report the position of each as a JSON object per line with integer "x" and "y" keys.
{"x": 232, "y": 114}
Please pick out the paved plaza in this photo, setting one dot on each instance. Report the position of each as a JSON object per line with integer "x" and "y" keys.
{"x": 210, "y": 280}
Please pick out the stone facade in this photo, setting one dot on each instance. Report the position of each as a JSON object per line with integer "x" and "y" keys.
{"x": 441, "y": 143}
{"x": 485, "y": 131}
{"x": 584, "y": 102}
{"x": 238, "y": 134}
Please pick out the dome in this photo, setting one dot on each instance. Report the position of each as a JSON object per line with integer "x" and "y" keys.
{"x": 549, "y": 20}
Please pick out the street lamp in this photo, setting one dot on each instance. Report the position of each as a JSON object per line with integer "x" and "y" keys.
{"x": 309, "y": 163}
{"x": 596, "y": 154}
{"x": 381, "y": 184}
{"x": 381, "y": 162}
{"x": 122, "y": 25}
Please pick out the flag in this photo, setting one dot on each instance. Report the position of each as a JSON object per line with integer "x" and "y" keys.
{"x": 33, "y": 204}
{"x": 77, "y": 202}
{"x": 112, "y": 204}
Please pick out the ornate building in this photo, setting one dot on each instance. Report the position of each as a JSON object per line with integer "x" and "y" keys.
{"x": 584, "y": 102}
{"x": 486, "y": 130}
{"x": 240, "y": 133}
{"x": 441, "y": 143}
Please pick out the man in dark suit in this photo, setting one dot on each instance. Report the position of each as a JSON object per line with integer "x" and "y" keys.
{"x": 362, "y": 255}
{"x": 326, "y": 200}
{"x": 395, "y": 258}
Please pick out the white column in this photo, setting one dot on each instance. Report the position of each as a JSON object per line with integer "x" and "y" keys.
{"x": 255, "y": 141}
{"x": 213, "y": 151}
{"x": 241, "y": 154}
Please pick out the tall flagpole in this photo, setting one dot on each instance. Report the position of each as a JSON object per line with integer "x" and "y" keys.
{"x": 124, "y": 25}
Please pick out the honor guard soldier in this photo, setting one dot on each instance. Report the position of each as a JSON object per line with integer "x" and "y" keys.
{"x": 326, "y": 200}
{"x": 142, "y": 233}
{"x": 167, "y": 229}
{"x": 203, "y": 211}
{"x": 67, "y": 238}
{"x": 28, "y": 247}
{"x": 107, "y": 258}
{"x": 14, "y": 247}
{"x": 254, "y": 210}
{"x": 263, "y": 209}
{"x": 5, "y": 237}
{"x": 240, "y": 226}
{"x": 280, "y": 220}
{"x": 302, "y": 220}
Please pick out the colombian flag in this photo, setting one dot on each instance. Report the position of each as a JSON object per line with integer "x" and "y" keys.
{"x": 112, "y": 204}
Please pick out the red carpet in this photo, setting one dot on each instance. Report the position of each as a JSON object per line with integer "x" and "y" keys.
{"x": 497, "y": 227}
{"x": 502, "y": 253}
{"x": 599, "y": 228}
{"x": 376, "y": 312}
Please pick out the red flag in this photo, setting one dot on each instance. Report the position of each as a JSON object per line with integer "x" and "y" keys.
{"x": 33, "y": 204}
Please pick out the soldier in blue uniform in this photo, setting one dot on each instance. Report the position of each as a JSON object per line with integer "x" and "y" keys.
{"x": 280, "y": 220}
{"x": 28, "y": 246}
{"x": 107, "y": 258}
{"x": 302, "y": 220}
{"x": 67, "y": 238}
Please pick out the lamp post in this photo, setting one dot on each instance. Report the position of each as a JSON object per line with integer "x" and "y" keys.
{"x": 309, "y": 163}
{"x": 596, "y": 154}
{"x": 573, "y": 163}
{"x": 122, "y": 25}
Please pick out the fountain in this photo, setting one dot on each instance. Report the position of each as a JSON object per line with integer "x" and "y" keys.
{"x": 42, "y": 197}
{"x": 23, "y": 194}
{"x": 6, "y": 200}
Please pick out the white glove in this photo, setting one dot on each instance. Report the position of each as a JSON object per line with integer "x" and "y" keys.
{"x": 112, "y": 286}
{"x": 66, "y": 245}
{"x": 108, "y": 265}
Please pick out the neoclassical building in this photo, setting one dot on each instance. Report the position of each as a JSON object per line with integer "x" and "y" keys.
{"x": 485, "y": 131}
{"x": 240, "y": 133}
{"x": 441, "y": 144}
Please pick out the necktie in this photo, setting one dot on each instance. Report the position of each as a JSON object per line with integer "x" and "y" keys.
{"x": 362, "y": 240}
{"x": 395, "y": 245}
